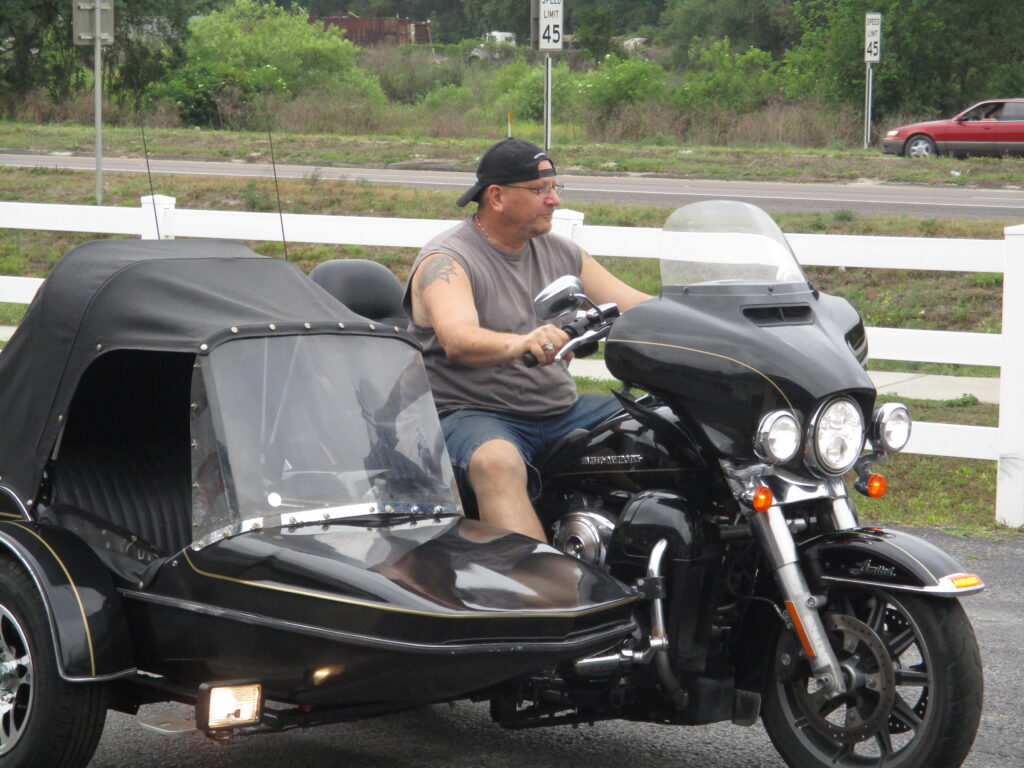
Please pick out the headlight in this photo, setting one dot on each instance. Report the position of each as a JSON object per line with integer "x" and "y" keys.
{"x": 835, "y": 437}
{"x": 890, "y": 428}
{"x": 778, "y": 437}
{"x": 890, "y": 134}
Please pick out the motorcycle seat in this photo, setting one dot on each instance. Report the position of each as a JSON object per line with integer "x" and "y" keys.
{"x": 366, "y": 287}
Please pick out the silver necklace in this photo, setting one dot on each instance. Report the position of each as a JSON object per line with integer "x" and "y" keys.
{"x": 483, "y": 230}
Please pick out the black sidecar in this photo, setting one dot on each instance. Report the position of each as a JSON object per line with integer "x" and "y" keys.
{"x": 220, "y": 486}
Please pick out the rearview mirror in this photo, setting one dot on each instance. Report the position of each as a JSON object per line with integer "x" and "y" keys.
{"x": 559, "y": 297}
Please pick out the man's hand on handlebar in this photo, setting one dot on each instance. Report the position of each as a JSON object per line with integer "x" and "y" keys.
{"x": 542, "y": 343}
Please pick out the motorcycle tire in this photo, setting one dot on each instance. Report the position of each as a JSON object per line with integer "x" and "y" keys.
{"x": 914, "y": 687}
{"x": 45, "y": 722}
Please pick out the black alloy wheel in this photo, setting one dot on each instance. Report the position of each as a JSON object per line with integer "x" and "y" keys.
{"x": 914, "y": 687}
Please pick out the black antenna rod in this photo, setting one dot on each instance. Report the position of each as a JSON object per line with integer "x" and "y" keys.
{"x": 152, "y": 194}
{"x": 273, "y": 165}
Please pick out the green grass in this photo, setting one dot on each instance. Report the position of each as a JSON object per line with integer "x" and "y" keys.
{"x": 775, "y": 162}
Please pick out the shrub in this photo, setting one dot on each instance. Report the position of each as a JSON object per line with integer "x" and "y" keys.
{"x": 741, "y": 82}
{"x": 619, "y": 83}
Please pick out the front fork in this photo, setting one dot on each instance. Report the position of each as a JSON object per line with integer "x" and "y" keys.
{"x": 772, "y": 533}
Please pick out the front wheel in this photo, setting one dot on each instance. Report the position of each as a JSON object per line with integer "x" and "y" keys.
{"x": 920, "y": 146}
{"x": 913, "y": 679}
{"x": 45, "y": 722}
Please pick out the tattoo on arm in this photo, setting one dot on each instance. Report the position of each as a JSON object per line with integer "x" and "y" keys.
{"x": 441, "y": 267}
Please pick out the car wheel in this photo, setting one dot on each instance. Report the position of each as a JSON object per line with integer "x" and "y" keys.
{"x": 44, "y": 720}
{"x": 919, "y": 146}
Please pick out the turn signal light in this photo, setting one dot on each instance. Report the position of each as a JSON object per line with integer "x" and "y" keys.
{"x": 763, "y": 499}
{"x": 877, "y": 486}
{"x": 965, "y": 580}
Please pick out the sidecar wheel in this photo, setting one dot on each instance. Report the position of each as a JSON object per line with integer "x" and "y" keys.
{"x": 914, "y": 687}
{"x": 44, "y": 721}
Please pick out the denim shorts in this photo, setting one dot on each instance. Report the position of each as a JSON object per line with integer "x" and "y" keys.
{"x": 467, "y": 429}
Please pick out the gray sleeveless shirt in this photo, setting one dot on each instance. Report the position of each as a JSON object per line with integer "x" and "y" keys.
{"x": 503, "y": 289}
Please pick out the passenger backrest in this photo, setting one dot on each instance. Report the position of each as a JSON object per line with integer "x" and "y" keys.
{"x": 124, "y": 456}
{"x": 366, "y": 287}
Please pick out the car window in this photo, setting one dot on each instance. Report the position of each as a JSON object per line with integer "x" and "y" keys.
{"x": 1013, "y": 110}
{"x": 987, "y": 111}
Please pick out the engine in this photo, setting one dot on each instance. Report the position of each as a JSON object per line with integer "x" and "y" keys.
{"x": 585, "y": 534}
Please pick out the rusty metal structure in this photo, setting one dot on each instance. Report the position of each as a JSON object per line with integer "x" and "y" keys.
{"x": 380, "y": 30}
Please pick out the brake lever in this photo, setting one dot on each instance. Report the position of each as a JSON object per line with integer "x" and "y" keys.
{"x": 593, "y": 335}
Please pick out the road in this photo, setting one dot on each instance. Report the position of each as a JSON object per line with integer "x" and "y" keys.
{"x": 776, "y": 197}
{"x": 462, "y": 736}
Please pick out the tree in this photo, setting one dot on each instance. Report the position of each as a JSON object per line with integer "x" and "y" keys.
{"x": 769, "y": 25}
{"x": 938, "y": 56}
{"x": 24, "y": 27}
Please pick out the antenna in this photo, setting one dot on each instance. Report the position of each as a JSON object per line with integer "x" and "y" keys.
{"x": 149, "y": 173}
{"x": 273, "y": 165}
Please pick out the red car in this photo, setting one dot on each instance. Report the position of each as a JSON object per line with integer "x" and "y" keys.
{"x": 993, "y": 127}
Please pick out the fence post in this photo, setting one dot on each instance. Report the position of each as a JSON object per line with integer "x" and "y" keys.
{"x": 1010, "y": 480}
{"x": 565, "y": 221}
{"x": 154, "y": 223}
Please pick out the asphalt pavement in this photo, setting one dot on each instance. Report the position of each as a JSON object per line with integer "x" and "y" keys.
{"x": 462, "y": 736}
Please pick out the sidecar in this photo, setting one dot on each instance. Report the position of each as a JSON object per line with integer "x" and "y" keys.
{"x": 220, "y": 486}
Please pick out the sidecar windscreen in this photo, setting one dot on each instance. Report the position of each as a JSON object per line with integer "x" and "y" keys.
{"x": 301, "y": 429}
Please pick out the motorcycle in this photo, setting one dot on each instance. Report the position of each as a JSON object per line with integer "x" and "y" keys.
{"x": 719, "y": 493}
{"x": 239, "y": 499}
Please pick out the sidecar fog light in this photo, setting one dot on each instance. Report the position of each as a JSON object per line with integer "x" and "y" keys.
{"x": 890, "y": 428}
{"x": 777, "y": 438}
{"x": 228, "y": 705}
{"x": 836, "y": 436}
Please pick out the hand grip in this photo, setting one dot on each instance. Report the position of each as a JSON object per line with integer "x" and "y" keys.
{"x": 530, "y": 361}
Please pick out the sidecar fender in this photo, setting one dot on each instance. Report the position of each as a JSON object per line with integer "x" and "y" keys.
{"x": 887, "y": 559}
{"x": 87, "y": 622}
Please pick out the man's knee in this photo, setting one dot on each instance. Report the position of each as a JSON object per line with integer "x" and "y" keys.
{"x": 497, "y": 461}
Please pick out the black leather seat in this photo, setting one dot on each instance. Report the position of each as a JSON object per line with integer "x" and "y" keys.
{"x": 366, "y": 287}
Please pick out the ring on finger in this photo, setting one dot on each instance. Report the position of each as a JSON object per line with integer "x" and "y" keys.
{"x": 548, "y": 345}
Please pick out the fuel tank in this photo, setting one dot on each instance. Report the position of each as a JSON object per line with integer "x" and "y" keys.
{"x": 368, "y": 613}
{"x": 729, "y": 352}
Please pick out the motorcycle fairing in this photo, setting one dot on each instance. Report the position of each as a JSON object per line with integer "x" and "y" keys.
{"x": 884, "y": 558}
{"x": 746, "y": 349}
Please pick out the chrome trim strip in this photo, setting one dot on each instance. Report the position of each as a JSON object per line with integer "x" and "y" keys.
{"x": 368, "y": 641}
{"x": 938, "y": 590}
{"x": 14, "y": 496}
{"x": 321, "y": 515}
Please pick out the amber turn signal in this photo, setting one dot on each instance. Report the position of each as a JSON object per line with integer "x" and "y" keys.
{"x": 876, "y": 486}
{"x": 763, "y": 499}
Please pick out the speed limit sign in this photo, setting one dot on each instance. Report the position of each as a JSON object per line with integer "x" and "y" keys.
{"x": 550, "y": 25}
{"x": 872, "y": 38}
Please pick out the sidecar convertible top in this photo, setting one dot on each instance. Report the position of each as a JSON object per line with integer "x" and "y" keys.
{"x": 213, "y": 473}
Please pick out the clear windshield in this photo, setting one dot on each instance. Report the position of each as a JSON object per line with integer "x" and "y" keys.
{"x": 297, "y": 429}
{"x": 718, "y": 241}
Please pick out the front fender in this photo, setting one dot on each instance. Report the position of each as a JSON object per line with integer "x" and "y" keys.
{"x": 886, "y": 559}
{"x": 87, "y": 621}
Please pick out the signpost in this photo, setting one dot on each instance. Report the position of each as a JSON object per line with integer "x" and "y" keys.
{"x": 872, "y": 55}
{"x": 92, "y": 23}
{"x": 549, "y": 38}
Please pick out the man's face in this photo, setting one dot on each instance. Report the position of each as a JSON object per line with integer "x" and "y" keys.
{"x": 529, "y": 205}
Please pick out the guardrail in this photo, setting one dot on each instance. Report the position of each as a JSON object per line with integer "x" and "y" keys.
{"x": 1004, "y": 443}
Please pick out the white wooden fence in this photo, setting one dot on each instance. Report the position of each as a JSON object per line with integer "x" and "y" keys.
{"x": 1004, "y": 444}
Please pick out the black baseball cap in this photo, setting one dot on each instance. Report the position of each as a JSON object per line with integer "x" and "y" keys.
{"x": 506, "y": 162}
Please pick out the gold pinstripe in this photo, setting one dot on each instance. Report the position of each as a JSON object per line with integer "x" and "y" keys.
{"x": 393, "y": 609}
{"x": 78, "y": 597}
{"x": 711, "y": 354}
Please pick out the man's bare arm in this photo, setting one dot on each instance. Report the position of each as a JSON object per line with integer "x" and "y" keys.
{"x": 602, "y": 286}
{"x": 442, "y": 299}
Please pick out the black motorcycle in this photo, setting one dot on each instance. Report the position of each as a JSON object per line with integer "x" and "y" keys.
{"x": 719, "y": 492}
{"x": 220, "y": 486}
